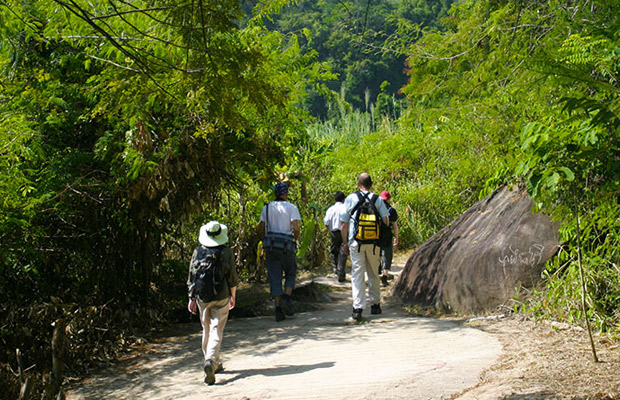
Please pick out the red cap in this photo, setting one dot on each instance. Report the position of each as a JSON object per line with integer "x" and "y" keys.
{"x": 385, "y": 195}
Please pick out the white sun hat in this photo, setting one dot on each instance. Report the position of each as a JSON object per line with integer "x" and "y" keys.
{"x": 213, "y": 234}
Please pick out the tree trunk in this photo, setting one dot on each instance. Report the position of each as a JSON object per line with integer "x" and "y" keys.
{"x": 53, "y": 388}
{"x": 583, "y": 286}
{"x": 24, "y": 392}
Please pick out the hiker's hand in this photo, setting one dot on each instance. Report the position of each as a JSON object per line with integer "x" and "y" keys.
{"x": 395, "y": 242}
{"x": 192, "y": 307}
{"x": 345, "y": 249}
{"x": 231, "y": 305}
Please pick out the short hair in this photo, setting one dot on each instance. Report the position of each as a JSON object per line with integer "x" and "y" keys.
{"x": 339, "y": 196}
{"x": 365, "y": 180}
{"x": 280, "y": 189}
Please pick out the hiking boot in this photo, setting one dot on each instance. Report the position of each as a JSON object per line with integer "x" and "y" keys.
{"x": 341, "y": 278}
{"x": 375, "y": 309}
{"x": 357, "y": 314}
{"x": 287, "y": 305}
{"x": 280, "y": 314}
{"x": 384, "y": 280}
{"x": 209, "y": 372}
{"x": 219, "y": 367}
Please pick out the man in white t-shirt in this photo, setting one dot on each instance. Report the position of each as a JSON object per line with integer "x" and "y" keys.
{"x": 332, "y": 225}
{"x": 279, "y": 228}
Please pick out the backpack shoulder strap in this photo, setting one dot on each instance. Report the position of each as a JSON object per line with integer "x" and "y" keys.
{"x": 375, "y": 209}
{"x": 200, "y": 253}
{"x": 361, "y": 199}
{"x": 374, "y": 204}
{"x": 266, "y": 218}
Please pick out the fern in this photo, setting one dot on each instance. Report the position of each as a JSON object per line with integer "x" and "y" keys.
{"x": 580, "y": 50}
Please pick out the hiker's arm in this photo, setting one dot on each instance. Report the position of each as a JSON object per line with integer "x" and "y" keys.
{"x": 386, "y": 219}
{"x": 395, "y": 225}
{"x": 232, "y": 278}
{"x": 189, "y": 273}
{"x": 296, "y": 230}
{"x": 233, "y": 297}
{"x": 326, "y": 221}
{"x": 382, "y": 211}
{"x": 260, "y": 228}
{"x": 344, "y": 232}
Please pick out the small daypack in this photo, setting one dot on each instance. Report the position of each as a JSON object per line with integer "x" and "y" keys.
{"x": 368, "y": 222}
{"x": 277, "y": 241}
{"x": 207, "y": 276}
{"x": 385, "y": 233}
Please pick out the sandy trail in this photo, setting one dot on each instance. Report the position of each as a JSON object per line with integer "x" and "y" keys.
{"x": 320, "y": 354}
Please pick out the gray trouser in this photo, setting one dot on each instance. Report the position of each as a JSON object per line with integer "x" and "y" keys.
{"x": 337, "y": 257}
{"x": 386, "y": 258}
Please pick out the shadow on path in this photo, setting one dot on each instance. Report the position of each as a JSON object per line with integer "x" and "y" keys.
{"x": 275, "y": 371}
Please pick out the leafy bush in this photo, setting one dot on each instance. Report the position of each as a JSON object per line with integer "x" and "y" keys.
{"x": 561, "y": 298}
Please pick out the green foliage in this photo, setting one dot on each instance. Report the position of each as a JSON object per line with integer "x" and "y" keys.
{"x": 133, "y": 135}
{"x": 122, "y": 125}
{"x": 562, "y": 295}
{"x": 523, "y": 92}
{"x": 350, "y": 36}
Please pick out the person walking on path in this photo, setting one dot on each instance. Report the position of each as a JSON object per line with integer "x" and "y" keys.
{"x": 332, "y": 225}
{"x": 388, "y": 251}
{"x": 279, "y": 228}
{"x": 365, "y": 256}
{"x": 212, "y": 284}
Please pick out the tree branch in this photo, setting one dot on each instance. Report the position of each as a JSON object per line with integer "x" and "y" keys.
{"x": 137, "y": 10}
{"x": 113, "y": 63}
{"x": 148, "y": 35}
{"x": 83, "y": 15}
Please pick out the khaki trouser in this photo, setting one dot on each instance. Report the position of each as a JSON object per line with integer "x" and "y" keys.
{"x": 213, "y": 317}
{"x": 365, "y": 261}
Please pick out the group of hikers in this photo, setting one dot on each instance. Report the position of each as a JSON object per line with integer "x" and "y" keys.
{"x": 362, "y": 225}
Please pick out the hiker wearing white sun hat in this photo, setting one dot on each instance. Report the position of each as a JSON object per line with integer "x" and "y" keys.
{"x": 212, "y": 286}
{"x": 213, "y": 234}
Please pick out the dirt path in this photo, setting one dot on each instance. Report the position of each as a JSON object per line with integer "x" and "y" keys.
{"x": 319, "y": 354}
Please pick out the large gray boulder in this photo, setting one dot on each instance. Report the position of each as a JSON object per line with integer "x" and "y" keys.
{"x": 475, "y": 263}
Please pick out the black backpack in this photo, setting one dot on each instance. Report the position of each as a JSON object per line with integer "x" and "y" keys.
{"x": 207, "y": 268}
{"x": 369, "y": 226}
{"x": 385, "y": 232}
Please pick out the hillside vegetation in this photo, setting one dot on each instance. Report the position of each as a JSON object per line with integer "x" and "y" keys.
{"x": 124, "y": 126}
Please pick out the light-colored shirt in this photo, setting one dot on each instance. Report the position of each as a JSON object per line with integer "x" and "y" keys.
{"x": 332, "y": 216}
{"x": 349, "y": 204}
{"x": 281, "y": 215}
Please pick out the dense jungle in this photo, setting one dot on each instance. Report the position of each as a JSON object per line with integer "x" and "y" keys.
{"x": 127, "y": 124}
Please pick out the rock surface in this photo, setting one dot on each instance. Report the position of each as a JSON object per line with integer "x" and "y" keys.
{"x": 476, "y": 263}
